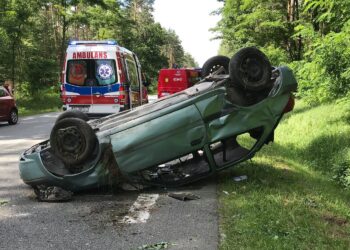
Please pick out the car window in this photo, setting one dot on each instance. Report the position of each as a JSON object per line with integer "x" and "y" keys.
{"x": 105, "y": 71}
{"x": 91, "y": 72}
{"x": 132, "y": 72}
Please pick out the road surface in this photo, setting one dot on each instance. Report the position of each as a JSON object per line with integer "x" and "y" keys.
{"x": 98, "y": 220}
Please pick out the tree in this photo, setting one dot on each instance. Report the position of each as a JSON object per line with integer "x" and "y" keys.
{"x": 311, "y": 35}
{"x": 34, "y": 35}
{"x": 189, "y": 61}
{"x": 172, "y": 49}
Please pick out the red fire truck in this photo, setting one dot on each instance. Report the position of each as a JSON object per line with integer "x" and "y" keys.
{"x": 171, "y": 81}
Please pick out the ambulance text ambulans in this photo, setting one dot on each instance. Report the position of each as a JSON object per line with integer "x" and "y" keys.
{"x": 100, "y": 77}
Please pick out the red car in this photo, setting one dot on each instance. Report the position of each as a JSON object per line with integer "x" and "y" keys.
{"x": 8, "y": 109}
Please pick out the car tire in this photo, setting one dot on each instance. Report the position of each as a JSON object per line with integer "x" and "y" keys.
{"x": 250, "y": 69}
{"x": 72, "y": 114}
{"x": 13, "y": 117}
{"x": 214, "y": 63}
{"x": 72, "y": 140}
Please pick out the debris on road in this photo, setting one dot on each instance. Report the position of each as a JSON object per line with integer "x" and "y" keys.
{"x": 52, "y": 193}
{"x": 3, "y": 202}
{"x": 240, "y": 178}
{"x": 156, "y": 246}
{"x": 184, "y": 196}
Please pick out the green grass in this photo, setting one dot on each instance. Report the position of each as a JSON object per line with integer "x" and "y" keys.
{"x": 43, "y": 102}
{"x": 296, "y": 195}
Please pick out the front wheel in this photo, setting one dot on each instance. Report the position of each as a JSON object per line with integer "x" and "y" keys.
{"x": 250, "y": 69}
{"x": 72, "y": 140}
{"x": 13, "y": 117}
{"x": 72, "y": 114}
{"x": 213, "y": 64}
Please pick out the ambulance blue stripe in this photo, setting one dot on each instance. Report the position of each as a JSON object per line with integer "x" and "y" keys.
{"x": 84, "y": 90}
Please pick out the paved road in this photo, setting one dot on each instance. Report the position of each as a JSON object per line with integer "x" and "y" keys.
{"x": 92, "y": 220}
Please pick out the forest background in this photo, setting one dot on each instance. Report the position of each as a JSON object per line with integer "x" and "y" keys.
{"x": 310, "y": 36}
{"x": 34, "y": 36}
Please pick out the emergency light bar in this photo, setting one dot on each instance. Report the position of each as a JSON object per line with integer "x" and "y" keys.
{"x": 107, "y": 42}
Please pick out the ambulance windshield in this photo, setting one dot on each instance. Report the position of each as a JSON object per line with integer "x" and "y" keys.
{"x": 91, "y": 72}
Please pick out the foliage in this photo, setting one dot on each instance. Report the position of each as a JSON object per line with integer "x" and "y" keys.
{"x": 312, "y": 36}
{"x": 34, "y": 36}
{"x": 290, "y": 200}
{"x": 44, "y": 100}
{"x": 189, "y": 61}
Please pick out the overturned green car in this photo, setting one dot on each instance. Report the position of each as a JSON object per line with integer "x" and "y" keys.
{"x": 173, "y": 141}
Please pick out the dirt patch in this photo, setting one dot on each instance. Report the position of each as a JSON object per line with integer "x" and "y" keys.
{"x": 332, "y": 219}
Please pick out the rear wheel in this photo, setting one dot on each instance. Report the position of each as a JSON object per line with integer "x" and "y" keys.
{"x": 250, "y": 69}
{"x": 214, "y": 63}
{"x": 13, "y": 117}
{"x": 72, "y": 140}
{"x": 72, "y": 114}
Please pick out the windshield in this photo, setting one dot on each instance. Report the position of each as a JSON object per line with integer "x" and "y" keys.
{"x": 91, "y": 72}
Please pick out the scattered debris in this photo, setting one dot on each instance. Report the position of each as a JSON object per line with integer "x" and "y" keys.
{"x": 131, "y": 186}
{"x": 52, "y": 193}
{"x": 222, "y": 237}
{"x": 156, "y": 246}
{"x": 184, "y": 196}
{"x": 3, "y": 202}
{"x": 240, "y": 178}
{"x": 310, "y": 202}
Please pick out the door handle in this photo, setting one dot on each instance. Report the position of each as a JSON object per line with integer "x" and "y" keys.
{"x": 196, "y": 141}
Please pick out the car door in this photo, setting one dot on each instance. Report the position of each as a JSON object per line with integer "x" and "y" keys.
{"x": 134, "y": 80}
{"x": 4, "y": 103}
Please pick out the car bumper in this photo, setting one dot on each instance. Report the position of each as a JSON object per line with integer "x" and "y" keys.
{"x": 33, "y": 172}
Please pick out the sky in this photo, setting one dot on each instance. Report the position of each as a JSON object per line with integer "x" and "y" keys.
{"x": 191, "y": 21}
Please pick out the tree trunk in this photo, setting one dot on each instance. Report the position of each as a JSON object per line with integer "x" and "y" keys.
{"x": 64, "y": 28}
{"x": 295, "y": 46}
{"x": 13, "y": 62}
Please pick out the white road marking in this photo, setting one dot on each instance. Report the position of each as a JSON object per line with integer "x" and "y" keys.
{"x": 139, "y": 212}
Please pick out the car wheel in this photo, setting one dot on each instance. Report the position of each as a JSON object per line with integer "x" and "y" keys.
{"x": 72, "y": 114}
{"x": 13, "y": 117}
{"x": 72, "y": 140}
{"x": 250, "y": 69}
{"x": 214, "y": 63}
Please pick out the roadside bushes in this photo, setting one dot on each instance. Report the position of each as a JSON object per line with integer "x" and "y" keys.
{"x": 324, "y": 74}
{"x": 45, "y": 99}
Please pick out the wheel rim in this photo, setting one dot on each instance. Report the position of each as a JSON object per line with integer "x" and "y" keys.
{"x": 251, "y": 69}
{"x": 71, "y": 142}
{"x": 215, "y": 68}
{"x": 14, "y": 116}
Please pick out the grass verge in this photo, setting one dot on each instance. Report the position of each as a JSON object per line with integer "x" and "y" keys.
{"x": 43, "y": 102}
{"x": 294, "y": 197}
